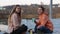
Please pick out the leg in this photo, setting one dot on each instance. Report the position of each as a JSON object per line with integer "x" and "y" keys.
{"x": 35, "y": 29}
{"x": 45, "y": 30}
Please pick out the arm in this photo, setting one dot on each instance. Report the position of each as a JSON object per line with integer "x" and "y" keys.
{"x": 43, "y": 20}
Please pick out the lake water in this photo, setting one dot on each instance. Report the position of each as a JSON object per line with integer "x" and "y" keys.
{"x": 31, "y": 25}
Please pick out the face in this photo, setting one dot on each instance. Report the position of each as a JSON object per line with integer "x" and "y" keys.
{"x": 39, "y": 10}
{"x": 18, "y": 9}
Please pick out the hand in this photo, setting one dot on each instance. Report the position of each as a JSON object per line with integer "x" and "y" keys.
{"x": 39, "y": 26}
{"x": 37, "y": 21}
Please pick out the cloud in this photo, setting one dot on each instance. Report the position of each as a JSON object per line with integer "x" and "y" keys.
{"x": 27, "y": 2}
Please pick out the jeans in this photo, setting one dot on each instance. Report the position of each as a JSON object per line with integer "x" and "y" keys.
{"x": 43, "y": 29}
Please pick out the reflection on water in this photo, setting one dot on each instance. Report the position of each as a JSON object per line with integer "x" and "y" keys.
{"x": 31, "y": 24}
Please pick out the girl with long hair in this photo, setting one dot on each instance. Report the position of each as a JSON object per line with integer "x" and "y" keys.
{"x": 14, "y": 20}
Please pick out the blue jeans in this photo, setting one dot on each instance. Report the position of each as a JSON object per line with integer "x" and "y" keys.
{"x": 43, "y": 29}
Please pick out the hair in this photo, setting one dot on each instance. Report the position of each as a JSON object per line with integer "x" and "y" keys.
{"x": 43, "y": 9}
{"x": 13, "y": 11}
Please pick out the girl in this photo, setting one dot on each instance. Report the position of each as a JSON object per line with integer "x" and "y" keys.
{"x": 43, "y": 23}
{"x": 14, "y": 20}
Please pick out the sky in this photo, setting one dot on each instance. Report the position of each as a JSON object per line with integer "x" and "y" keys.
{"x": 26, "y": 2}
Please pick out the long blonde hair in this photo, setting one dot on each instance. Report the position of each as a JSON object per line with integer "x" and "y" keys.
{"x": 13, "y": 10}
